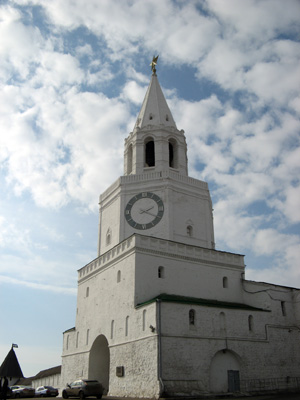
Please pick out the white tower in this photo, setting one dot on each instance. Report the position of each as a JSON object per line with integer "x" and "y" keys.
{"x": 156, "y": 197}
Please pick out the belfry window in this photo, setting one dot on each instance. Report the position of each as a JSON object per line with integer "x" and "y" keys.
{"x": 129, "y": 159}
{"x": 173, "y": 158}
{"x": 149, "y": 153}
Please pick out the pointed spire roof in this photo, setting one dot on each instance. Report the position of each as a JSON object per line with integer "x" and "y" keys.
{"x": 155, "y": 110}
{"x": 10, "y": 366}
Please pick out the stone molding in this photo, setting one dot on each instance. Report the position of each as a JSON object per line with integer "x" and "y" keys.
{"x": 161, "y": 247}
{"x": 150, "y": 176}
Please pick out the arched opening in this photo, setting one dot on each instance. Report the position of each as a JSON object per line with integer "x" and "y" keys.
{"x": 108, "y": 236}
{"x": 112, "y": 326}
{"x": 149, "y": 153}
{"x": 173, "y": 163}
{"x": 119, "y": 276}
{"x": 129, "y": 159}
{"x": 99, "y": 362}
{"x": 189, "y": 230}
{"x": 192, "y": 315}
{"x": 225, "y": 372}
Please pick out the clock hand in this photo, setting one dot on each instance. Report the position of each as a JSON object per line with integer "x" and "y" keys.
{"x": 149, "y": 213}
{"x": 147, "y": 209}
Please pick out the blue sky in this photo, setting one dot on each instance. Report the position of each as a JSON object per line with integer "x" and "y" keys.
{"x": 73, "y": 75}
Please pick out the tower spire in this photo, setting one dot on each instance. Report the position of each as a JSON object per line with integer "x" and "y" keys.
{"x": 155, "y": 110}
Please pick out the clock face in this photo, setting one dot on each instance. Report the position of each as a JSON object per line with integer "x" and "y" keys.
{"x": 144, "y": 210}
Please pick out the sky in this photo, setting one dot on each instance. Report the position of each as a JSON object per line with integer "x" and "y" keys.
{"x": 73, "y": 76}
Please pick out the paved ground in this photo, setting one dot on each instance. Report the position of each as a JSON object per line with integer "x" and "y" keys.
{"x": 290, "y": 396}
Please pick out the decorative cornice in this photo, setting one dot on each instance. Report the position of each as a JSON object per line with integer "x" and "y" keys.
{"x": 162, "y": 247}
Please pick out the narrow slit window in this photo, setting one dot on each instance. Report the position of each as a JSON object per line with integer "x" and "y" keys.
{"x": 283, "y": 309}
{"x": 144, "y": 319}
{"x": 126, "y": 326}
{"x": 119, "y": 276}
{"x": 112, "y": 326}
{"x": 250, "y": 323}
{"x": 225, "y": 282}
{"x": 192, "y": 315}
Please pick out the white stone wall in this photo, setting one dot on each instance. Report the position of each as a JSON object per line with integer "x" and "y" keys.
{"x": 187, "y": 272}
{"x": 139, "y": 359}
{"x": 269, "y": 351}
{"x": 51, "y": 380}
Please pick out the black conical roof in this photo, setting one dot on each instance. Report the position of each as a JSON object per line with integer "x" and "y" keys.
{"x": 10, "y": 366}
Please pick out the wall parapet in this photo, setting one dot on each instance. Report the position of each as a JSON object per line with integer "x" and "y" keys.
{"x": 150, "y": 176}
{"x": 151, "y": 244}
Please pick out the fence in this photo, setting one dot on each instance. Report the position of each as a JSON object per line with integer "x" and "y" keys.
{"x": 288, "y": 384}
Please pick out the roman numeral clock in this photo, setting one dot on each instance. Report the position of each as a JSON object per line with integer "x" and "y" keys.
{"x": 144, "y": 210}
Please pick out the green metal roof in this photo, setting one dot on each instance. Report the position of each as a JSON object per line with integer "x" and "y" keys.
{"x": 170, "y": 298}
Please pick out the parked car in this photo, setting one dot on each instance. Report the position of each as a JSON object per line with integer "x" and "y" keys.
{"x": 46, "y": 391}
{"x": 22, "y": 391}
{"x": 83, "y": 388}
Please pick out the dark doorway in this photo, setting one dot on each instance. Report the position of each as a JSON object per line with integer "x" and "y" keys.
{"x": 233, "y": 381}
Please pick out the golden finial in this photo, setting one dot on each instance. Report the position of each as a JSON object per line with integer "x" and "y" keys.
{"x": 153, "y": 64}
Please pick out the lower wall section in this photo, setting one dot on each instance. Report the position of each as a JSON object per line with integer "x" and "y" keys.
{"x": 139, "y": 361}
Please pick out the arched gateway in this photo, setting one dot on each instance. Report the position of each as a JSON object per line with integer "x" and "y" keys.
{"x": 225, "y": 372}
{"x": 99, "y": 362}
